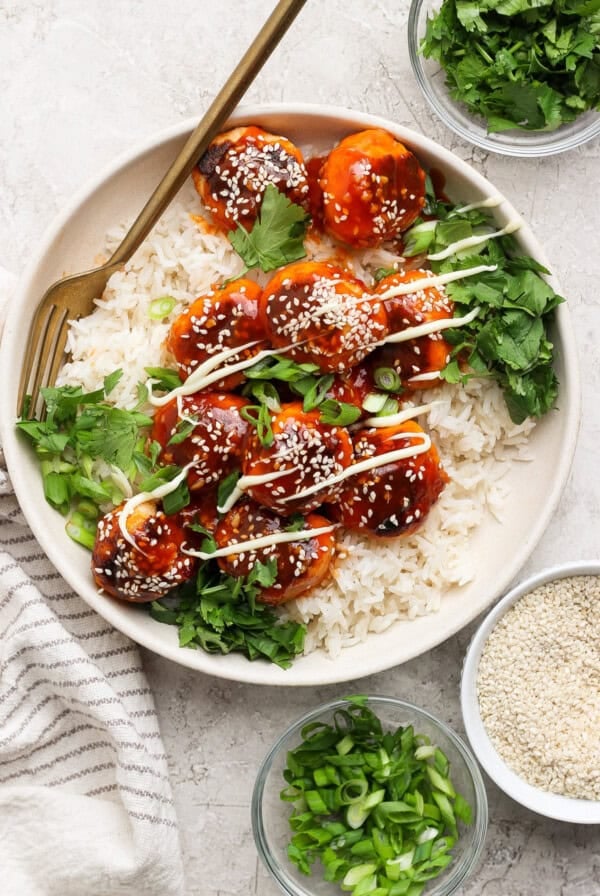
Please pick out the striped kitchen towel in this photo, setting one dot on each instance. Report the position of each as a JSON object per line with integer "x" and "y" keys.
{"x": 85, "y": 799}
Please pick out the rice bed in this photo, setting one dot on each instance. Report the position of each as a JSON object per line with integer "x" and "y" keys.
{"x": 374, "y": 582}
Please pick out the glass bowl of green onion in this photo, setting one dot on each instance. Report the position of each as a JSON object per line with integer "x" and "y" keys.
{"x": 369, "y": 795}
{"x": 510, "y": 78}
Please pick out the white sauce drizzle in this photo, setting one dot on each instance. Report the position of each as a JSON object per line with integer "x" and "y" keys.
{"x": 159, "y": 492}
{"x": 432, "y": 326}
{"x": 490, "y": 202}
{"x": 207, "y": 373}
{"x": 404, "y": 289}
{"x": 246, "y": 482}
{"x": 121, "y": 481}
{"x": 400, "y": 417}
{"x": 471, "y": 241}
{"x": 255, "y": 544}
{"x": 424, "y": 377}
{"x": 369, "y": 463}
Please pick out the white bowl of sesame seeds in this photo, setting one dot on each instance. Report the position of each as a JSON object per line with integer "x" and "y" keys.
{"x": 530, "y": 693}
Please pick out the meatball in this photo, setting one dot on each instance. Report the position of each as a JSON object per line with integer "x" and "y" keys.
{"x": 146, "y": 565}
{"x": 426, "y": 354}
{"x": 206, "y": 429}
{"x": 373, "y": 189}
{"x": 353, "y": 386}
{"x": 224, "y": 318}
{"x": 310, "y": 450}
{"x": 233, "y": 173}
{"x": 394, "y": 498}
{"x": 319, "y": 313}
{"x": 301, "y": 565}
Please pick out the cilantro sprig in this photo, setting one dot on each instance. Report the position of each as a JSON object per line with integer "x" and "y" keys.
{"x": 277, "y": 237}
{"x": 220, "y": 614}
{"x": 87, "y": 447}
{"x": 509, "y": 339}
{"x": 531, "y": 64}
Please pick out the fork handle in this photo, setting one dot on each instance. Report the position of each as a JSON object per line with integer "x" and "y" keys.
{"x": 220, "y": 109}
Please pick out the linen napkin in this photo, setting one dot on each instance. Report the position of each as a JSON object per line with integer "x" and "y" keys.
{"x": 85, "y": 799}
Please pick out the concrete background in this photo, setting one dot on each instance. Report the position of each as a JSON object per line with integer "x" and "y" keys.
{"x": 80, "y": 81}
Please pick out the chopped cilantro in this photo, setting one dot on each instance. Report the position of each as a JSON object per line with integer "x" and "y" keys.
{"x": 531, "y": 64}
{"x": 277, "y": 237}
{"x": 509, "y": 339}
{"x": 220, "y": 614}
{"x": 83, "y": 443}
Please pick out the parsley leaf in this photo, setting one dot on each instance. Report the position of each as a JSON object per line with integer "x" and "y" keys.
{"x": 277, "y": 237}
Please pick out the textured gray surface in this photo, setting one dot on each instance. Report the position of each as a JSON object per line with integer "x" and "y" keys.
{"x": 80, "y": 81}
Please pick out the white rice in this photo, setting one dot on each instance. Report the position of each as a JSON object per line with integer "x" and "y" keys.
{"x": 374, "y": 582}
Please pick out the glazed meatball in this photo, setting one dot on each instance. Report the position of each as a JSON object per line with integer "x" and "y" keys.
{"x": 206, "y": 429}
{"x": 146, "y": 565}
{"x": 373, "y": 189}
{"x": 319, "y": 313}
{"x": 310, "y": 450}
{"x": 232, "y": 175}
{"x": 301, "y": 565}
{"x": 394, "y": 498}
{"x": 426, "y": 354}
{"x": 224, "y": 318}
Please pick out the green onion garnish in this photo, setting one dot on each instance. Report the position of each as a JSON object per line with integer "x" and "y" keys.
{"x": 387, "y": 379}
{"x": 161, "y": 307}
{"x": 375, "y": 807}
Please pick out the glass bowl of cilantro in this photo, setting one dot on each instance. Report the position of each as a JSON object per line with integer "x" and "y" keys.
{"x": 517, "y": 77}
{"x": 369, "y": 795}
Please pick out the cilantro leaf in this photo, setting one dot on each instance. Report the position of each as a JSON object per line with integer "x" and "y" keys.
{"x": 83, "y": 443}
{"x": 277, "y": 237}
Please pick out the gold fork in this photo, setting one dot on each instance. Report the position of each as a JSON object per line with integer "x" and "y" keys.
{"x": 73, "y": 297}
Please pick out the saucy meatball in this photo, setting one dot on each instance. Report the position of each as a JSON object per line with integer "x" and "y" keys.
{"x": 353, "y": 386}
{"x": 310, "y": 450}
{"x": 232, "y": 175}
{"x": 319, "y": 313}
{"x": 301, "y": 565}
{"x": 394, "y": 498}
{"x": 206, "y": 429}
{"x": 221, "y": 319}
{"x": 147, "y": 566}
{"x": 373, "y": 189}
{"x": 425, "y": 354}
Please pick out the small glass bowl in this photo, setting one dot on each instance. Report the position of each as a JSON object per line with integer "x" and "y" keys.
{"x": 270, "y": 814}
{"x": 526, "y": 144}
{"x": 551, "y": 805}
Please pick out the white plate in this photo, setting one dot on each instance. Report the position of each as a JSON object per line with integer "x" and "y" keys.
{"x": 499, "y": 550}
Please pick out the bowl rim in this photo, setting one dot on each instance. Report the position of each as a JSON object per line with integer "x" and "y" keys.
{"x": 463, "y": 867}
{"x": 484, "y": 140}
{"x": 217, "y": 665}
{"x": 551, "y": 805}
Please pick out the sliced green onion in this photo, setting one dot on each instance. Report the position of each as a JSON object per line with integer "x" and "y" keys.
{"x": 352, "y": 791}
{"x": 390, "y": 407}
{"x": 82, "y": 530}
{"x": 419, "y": 238}
{"x": 367, "y": 806}
{"x": 387, "y": 379}
{"x": 374, "y": 402}
{"x": 161, "y": 307}
{"x": 338, "y": 413}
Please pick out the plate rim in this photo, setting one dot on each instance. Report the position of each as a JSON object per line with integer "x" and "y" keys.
{"x": 217, "y": 665}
